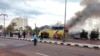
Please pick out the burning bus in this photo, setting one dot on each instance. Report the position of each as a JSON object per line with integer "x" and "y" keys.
{"x": 55, "y": 31}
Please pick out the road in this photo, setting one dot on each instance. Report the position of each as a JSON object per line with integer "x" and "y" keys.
{"x": 94, "y": 42}
{"x": 26, "y": 48}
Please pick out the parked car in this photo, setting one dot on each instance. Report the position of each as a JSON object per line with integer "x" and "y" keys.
{"x": 75, "y": 35}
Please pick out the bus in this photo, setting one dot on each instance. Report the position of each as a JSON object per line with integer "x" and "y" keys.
{"x": 55, "y": 31}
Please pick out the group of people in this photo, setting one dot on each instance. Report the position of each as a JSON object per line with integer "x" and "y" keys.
{"x": 21, "y": 34}
{"x": 35, "y": 37}
{"x": 94, "y": 34}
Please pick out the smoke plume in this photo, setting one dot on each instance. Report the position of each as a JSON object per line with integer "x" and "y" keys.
{"x": 92, "y": 9}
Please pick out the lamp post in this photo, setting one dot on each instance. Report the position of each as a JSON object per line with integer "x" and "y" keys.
{"x": 64, "y": 38}
{"x": 4, "y": 21}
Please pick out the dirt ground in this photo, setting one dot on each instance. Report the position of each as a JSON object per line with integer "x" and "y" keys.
{"x": 7, "y": 52}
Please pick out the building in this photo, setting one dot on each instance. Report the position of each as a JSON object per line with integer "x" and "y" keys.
{"x": 20, "y": 22}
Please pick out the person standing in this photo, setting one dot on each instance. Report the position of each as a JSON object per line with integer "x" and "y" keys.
{"x": 97, "y": 34}
{"x": 82, "y": 34}
{"x": 55, "y": 34}
{"x": 24, "y": 34}
{"x": 19, "y": 36}
{"x": 92, "y": 35}
{"x": 11, "y": 34}
{"x": 35, "y": 39}
{"x": 42, "y": 36}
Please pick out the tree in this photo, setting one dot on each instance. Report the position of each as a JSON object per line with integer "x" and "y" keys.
{"x": 13, "y": 25}
{"x": 1, "y": 27}
{"x": 37, "y": 30}
{"x": 20, "y": 28}
{"x": 9, "y": 28}
{"x": 28, "y": 28}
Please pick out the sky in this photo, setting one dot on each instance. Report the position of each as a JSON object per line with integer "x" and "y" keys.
{"x": 41, "y": 12}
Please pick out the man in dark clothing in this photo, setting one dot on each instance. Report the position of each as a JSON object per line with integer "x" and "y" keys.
{"x": 11, "y": 34}
{"x": 19, "y": 36}
{"x": 24, "y": 34}
{"x": 41, "y": 37}
{"x": 4, "y": 34}
{"x": 86, "y": 35}
{"x": 82, "y": 34}
{"x": 97, "y": 34}
{"x": 93, "y": 35}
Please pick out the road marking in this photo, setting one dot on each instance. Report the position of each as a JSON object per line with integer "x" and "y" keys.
{"x": 41, "y": 54}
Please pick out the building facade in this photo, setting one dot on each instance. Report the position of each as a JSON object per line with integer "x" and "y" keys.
{"x": 20, "y": 22}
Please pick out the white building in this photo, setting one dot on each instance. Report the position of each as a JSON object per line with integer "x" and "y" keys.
{"x": 20, "y": 22}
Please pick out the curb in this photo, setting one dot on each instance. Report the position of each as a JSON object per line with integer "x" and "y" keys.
{"x": 65, "y": 44}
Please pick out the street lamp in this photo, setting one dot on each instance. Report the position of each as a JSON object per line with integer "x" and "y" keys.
{"x": 64, "y": 38}
{"x": 4, "y": 21}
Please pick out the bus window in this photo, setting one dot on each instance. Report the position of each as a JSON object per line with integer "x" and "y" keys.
{"x": 57, "y": 28}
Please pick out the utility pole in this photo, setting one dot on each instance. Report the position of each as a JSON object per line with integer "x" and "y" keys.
{"x": 24, "y": 23}
{"x": 35, "y": 29}
{"x": 4, "y": 21}
{"x": 64, "y": 38}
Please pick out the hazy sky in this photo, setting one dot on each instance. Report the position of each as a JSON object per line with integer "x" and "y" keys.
{"x": 41, "y": 12}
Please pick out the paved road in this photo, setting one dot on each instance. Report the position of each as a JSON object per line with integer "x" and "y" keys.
{"x": 25, "y": 48}
{"x": 94, "y": 42}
